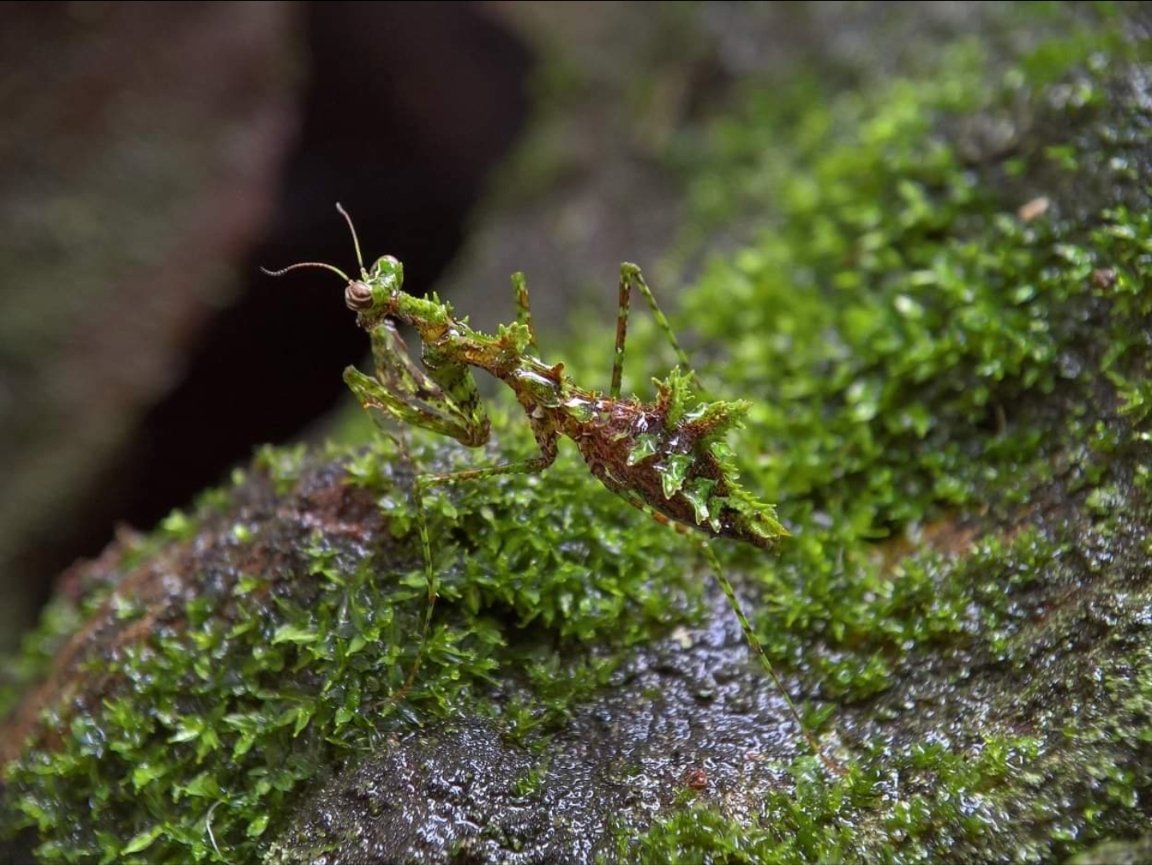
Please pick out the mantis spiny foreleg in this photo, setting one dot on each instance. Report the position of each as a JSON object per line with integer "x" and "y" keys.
{"x": 402, "y": 393}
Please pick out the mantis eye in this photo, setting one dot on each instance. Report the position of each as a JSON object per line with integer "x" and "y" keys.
{"x": 358, "y": 295}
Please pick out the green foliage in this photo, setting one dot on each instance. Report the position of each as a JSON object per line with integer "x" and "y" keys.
{"x": 949, "y": 802}
{"x": 914, "y": 354}
{"x": 222, "y": 717}
{"x": 912, "y": 348}
{"x": 917, "y": 354}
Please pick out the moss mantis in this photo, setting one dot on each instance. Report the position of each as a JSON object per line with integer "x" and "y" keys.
{"x": 667, "y": 458}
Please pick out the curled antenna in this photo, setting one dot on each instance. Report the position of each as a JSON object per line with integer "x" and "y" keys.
{"x": 336, "y": 270}
{"x": 355, "y": 239}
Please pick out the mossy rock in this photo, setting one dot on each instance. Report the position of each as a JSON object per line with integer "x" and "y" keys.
{"x": 940, "y": 308}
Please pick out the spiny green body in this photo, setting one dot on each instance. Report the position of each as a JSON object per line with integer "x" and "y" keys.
{"x": 669, "y": 454}
{"x": 668, "y": 457}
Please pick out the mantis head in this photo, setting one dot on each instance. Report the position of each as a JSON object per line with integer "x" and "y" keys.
{"x": 372, "y": 295}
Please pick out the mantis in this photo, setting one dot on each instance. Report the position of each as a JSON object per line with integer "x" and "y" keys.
{"x": 668, "y": 457}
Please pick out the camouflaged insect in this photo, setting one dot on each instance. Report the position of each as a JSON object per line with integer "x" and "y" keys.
{"x": 668, "y": 455}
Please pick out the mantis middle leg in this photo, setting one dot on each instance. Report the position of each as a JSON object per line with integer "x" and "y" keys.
{"x": 631, "y": 277}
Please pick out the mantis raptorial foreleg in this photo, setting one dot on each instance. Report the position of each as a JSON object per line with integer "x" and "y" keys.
{"x": 406, "y": 393}
{"x": 442, "y": 399}
{"x": 402, "y": 393}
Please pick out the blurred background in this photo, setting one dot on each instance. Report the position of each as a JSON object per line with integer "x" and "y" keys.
{"x": 153, "y": 157}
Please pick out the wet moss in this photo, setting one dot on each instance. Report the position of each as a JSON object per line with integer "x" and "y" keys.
{"x": 949, "y": 372}
{"x": 292, "y": 639}
{"x": 950, "y": 380}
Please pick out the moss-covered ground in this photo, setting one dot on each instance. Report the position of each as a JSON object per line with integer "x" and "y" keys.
{"x": 940, "y": 306}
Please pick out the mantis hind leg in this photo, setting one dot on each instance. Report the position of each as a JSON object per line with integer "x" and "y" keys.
{"x": 745, "y": 625}
{"x": 632, "y": 278}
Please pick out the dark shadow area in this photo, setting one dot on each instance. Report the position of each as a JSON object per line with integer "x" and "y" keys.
{"x": 406, "y": 110}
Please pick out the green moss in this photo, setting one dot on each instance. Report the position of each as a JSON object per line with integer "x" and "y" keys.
{"x": 918, "y": 354}
{"x": 931, "y": 374}
{"x": 909, "y": 343}
{"x": 531, "y": 782}
{"x": 283, "y": 465}
{"x": 263, "y": 678}
{"x": 957, "y": 808}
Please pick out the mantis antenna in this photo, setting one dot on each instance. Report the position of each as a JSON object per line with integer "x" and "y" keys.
{"x": 336, "y": 270}
{"x": 300, "y": 264}
{"x": 355, "y": 239}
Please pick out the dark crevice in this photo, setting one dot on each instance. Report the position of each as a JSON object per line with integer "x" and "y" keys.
{"x": 408, "y": 108}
